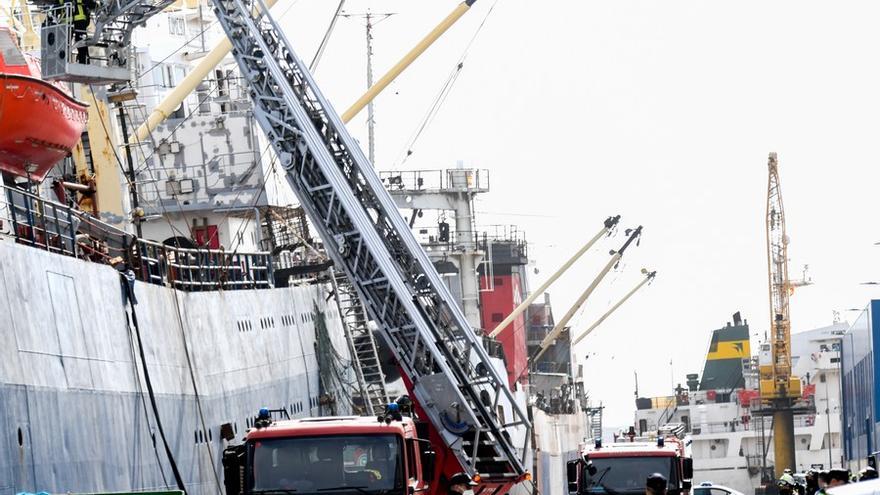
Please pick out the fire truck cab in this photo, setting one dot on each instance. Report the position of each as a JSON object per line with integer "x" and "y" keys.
{"x": 621, "y": 468}
{"x": 331, "y": 455}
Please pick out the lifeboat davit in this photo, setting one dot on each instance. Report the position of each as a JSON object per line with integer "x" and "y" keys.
{"x": 40, "y": 122}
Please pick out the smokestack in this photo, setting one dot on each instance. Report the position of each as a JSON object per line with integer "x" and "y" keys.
{"x": 692, "y": 382}
{"x": 737, "y": 319}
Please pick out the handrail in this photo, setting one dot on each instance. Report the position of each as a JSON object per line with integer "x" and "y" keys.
{"x": 51, "y": 226}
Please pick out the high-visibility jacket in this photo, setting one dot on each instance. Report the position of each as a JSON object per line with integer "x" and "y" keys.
{"x": 79, "y": 10}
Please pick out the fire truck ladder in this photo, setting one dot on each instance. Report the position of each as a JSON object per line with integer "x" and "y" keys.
{"x": 364, "y": 355}
{"x": 453, "y": 380}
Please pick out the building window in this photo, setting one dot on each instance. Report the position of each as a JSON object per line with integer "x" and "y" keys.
{"x": 822, "y": 378}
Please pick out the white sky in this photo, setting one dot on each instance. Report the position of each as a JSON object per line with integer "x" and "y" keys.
{"x": 663, "y": 112}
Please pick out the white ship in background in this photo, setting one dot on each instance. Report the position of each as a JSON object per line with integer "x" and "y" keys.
{"x": 731, "y": 436}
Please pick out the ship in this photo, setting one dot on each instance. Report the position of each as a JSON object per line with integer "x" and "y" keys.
{"x": 721, "y": 409}
{"x": 134, "y": 372}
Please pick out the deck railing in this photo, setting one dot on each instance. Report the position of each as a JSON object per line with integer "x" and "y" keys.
{"x": 43, "y": 224}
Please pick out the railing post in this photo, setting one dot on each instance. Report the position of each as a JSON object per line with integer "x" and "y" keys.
{"x": 72, "y": 232}
{"x": 10, "y": 204}
{"x": 30, "y": 219}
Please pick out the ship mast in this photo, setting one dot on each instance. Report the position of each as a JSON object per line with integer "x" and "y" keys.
{"x": 371, "y": 21}
{"x": 371, "y": 124}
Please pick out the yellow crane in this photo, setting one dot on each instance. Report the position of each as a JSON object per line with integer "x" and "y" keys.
{"x": 778, "y": 387}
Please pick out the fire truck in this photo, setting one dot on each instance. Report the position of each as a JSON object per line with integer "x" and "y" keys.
{"x": 622, "y": 467}
{"x": 388, "y": 455}
{"x": 392, "y": 454}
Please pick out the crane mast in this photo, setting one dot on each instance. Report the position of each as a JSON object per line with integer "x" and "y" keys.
{"x": 778, "y": 387}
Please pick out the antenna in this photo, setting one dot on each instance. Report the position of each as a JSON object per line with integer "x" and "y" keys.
{"x": 371, "y": 21}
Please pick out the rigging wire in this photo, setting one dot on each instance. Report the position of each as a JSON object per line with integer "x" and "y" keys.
{"x": 192, "y": 375}
{"x": 442, "y": 95}
{"x": 134, "y": 322}
{"x": 318, "y": 54}
{"x": 140, "y": 393}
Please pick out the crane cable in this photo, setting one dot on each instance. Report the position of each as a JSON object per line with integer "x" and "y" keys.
{"x": 444, "y": 92}
{"x": 326, "y": 39}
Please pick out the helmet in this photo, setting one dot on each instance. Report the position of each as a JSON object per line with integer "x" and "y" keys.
{"x": 656, "y": 482}
{"x": 461, "y": 479}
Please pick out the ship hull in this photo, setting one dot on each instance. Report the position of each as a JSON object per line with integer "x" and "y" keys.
{"x": 74, "y": 412}
{"x": 39, "y": 125}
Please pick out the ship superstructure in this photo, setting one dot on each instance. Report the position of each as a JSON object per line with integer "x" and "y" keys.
{"x": 731, "y": 431}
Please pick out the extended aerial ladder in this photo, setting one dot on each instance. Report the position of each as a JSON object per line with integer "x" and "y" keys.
{"x": 454, "y": 383}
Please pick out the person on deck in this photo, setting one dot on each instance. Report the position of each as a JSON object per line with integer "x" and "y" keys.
{"x": 82, "y": 17}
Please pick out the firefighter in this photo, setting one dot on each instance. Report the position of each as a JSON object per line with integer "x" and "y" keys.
{"x": 461, "y": 484}
{"x": 786, "y": 483}
{"x": 82, "y": 17}
{"x": 655, "y": 484}
{"x": 812, "y": 479}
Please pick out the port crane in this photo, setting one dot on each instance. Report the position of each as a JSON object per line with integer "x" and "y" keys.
{"x": 475, "y": 422}
{"x": 777, "y": 385}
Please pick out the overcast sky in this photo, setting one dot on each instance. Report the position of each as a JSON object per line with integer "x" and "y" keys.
{"x": 663, "y": 112}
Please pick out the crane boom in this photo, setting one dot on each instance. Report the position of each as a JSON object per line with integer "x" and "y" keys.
{"x": 633, "y": 236}
{"x": 778, "y": 387}
{"x": 648, "y": 277}
{"x": 607, "y": 227}
{"x": 780, "y": 286}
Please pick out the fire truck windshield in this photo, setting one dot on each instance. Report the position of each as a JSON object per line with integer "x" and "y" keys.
{"x": 613, "y": 475}
{"x": 364, "y": 464}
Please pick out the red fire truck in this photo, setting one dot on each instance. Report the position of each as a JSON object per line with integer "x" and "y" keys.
{"x": 621, "y": 468}
{"x": 355, "y": 455}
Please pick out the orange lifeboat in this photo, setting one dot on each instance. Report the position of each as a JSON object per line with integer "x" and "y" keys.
{"x": 40, "y": 122}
